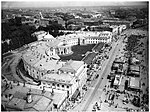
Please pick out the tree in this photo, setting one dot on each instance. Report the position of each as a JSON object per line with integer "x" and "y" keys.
{"x": 18, "y": 34}
{"x": 18, "y": 21}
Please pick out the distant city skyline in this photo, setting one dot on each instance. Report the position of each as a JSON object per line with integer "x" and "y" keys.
{"x": 58, "y": 3}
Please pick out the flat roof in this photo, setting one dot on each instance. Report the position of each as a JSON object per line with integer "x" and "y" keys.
{"x": 41, "y": 101}
{"x": 72, "y": 65}
{"x": 134, "y": 67}
{"x": 61, "y": 78}
{"x": 45, "y": 64}
{"x": 134, "y": 82}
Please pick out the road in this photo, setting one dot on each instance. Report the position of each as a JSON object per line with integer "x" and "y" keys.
{"x": 101, "y": 81}
{"x": 11, "y": 61}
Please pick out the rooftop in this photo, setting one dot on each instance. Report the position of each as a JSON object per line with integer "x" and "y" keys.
{"x": 72, "y": 65}
{"x": 135, "y": 68}
{"x": 48, "y": 36}
{"x": 61, "y": 78}
{"x": 49, "y": 64}
{"x": 83, "y": 34}
{"x": 41, "y": 101}
{"x": 38, "y": 50}
{"x": 134, "y": 82}
{"x": 98, "y": 47}
{"x": 89, "y": 58}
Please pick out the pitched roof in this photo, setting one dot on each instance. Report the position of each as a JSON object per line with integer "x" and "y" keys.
{"x": 48, "y": 36}
{"x": 89, "y": 58}
{"x": 98, "y": 47}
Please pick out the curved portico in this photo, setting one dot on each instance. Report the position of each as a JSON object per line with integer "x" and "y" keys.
{"x": 64, "y": 50}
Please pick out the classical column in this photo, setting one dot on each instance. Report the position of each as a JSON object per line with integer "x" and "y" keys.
{"x": 67, "y": 50}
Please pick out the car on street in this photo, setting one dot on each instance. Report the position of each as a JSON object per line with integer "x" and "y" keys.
{"x": 111, "y": 97}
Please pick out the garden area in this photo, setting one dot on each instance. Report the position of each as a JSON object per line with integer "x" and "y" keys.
{"x": 79, "y": 52}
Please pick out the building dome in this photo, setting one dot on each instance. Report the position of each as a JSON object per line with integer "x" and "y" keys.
{"x": 48, "y": 36}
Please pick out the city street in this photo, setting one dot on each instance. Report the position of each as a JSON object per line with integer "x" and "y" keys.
{"x": 94, "y": 92}
{"x": 10, "y": 64}
{"x": 89, "y": 56}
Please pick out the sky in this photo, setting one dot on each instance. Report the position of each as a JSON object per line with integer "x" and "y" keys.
{"x": 63, "y": 3}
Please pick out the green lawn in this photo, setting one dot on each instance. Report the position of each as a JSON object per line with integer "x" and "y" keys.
{"x": 78, "y": 51}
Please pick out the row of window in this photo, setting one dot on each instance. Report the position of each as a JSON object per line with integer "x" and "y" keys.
{"x": 35, "y": 70}
{"x": 58, "y": 85}
{"x": 43, "y": 73}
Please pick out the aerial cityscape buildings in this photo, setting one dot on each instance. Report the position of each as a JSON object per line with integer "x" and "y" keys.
{"x": 90, "y": 58}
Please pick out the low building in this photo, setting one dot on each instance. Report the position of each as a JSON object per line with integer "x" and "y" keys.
{"x": 134, "y": 84}
{"x": 74, "y": 27}
{"x": 101, "y": 28}
{"x": 134, "y": 61}
{"x": 19, "y": 98}
{"x": 119, "y": 61}
{"x": 117, "y": 80}
{"x": 89, "y": 59}
{"x": 99, "y": 47}
{"x": 43, "y": 22}
{"x": 117, "y": 22}
{"x": 91, "y": 23}
{"x": 134, "y": 70}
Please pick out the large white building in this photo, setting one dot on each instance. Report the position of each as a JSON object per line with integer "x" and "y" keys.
{"x": 118, "y": 29}
{"x": 42, "y": 62}
{"x": 65, "y": 42}
{"x": 84, "y": 37}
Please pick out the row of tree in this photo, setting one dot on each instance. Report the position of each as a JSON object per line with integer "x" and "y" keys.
{"x": 125, "y": 13}
{"x": 15, "y": 34}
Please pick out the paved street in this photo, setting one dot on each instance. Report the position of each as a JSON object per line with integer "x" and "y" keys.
{"x": 11, "y": 61}
{"x": 95, "y": 90}
{"x": 92, "y": 94}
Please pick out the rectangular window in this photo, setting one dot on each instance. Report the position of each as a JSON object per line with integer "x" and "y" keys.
{"x": 57, "y": 85}
{"x": 62, "y": 85}
{"x": 67, "y": 86}
{"x": 53, "y": 84}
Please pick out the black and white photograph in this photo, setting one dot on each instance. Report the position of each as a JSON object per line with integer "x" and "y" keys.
{"x": 75, "y": 56}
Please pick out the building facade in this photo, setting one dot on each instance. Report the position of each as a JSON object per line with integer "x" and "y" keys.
{"x": 42, "y": 63}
